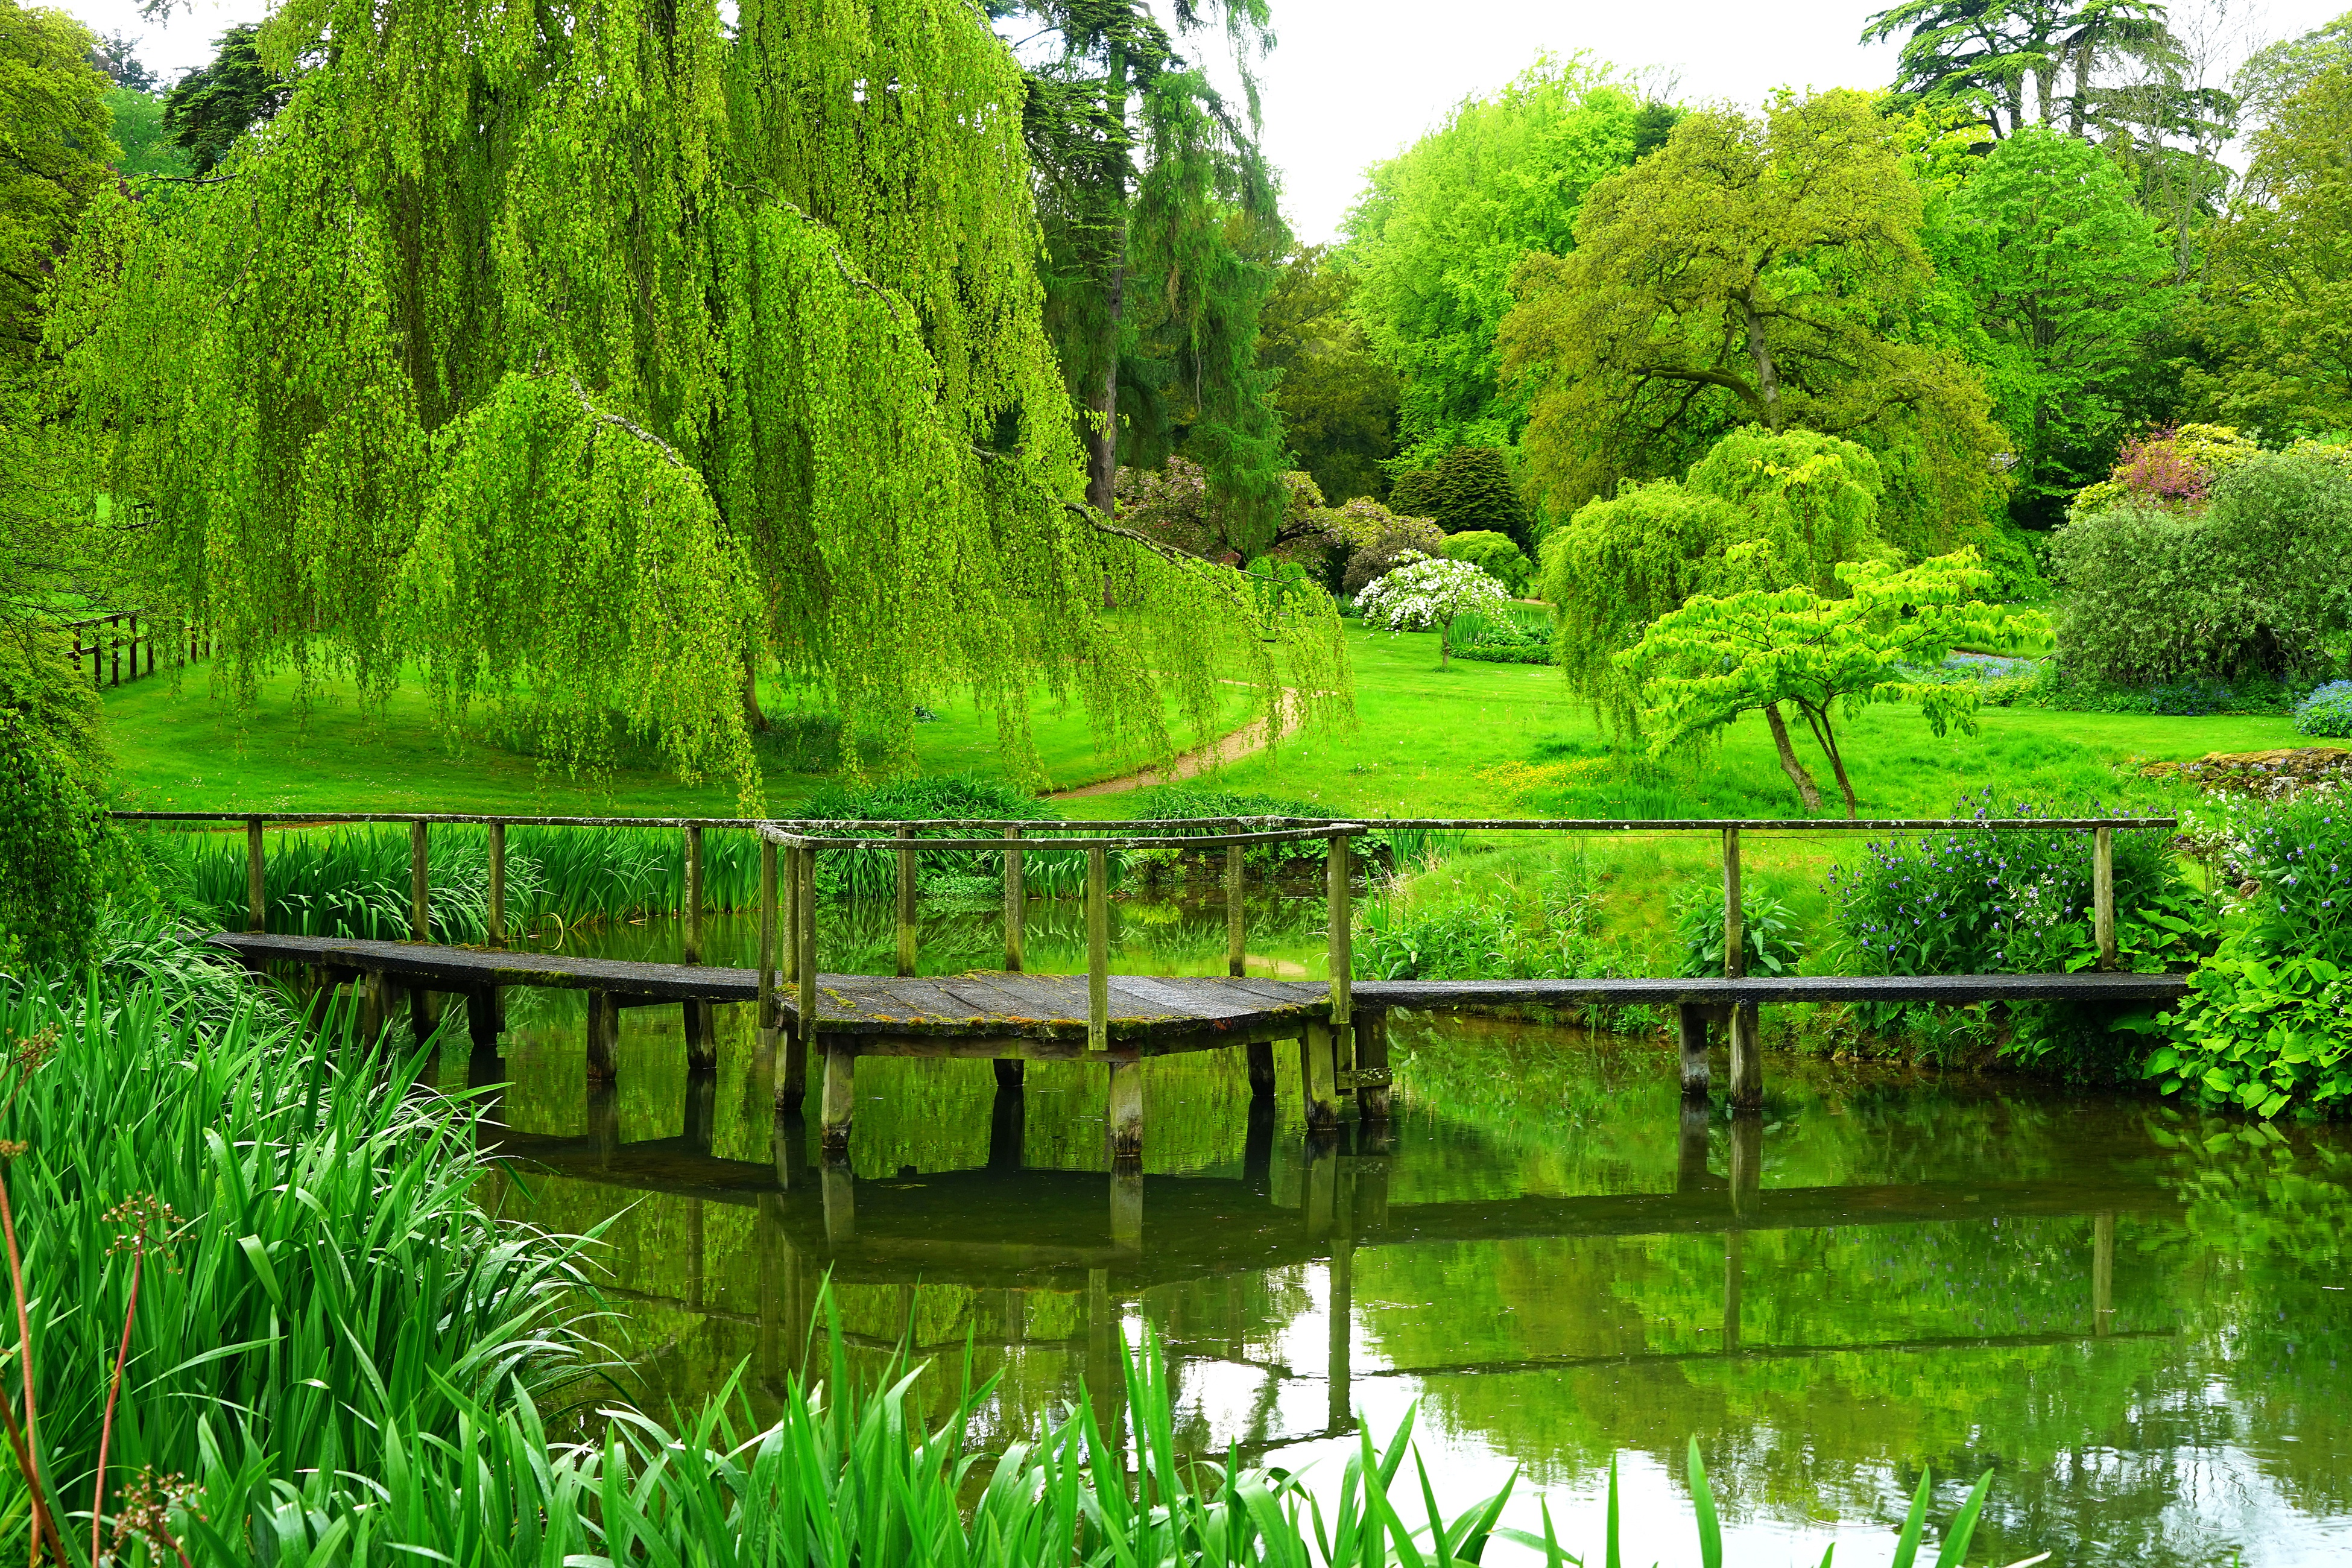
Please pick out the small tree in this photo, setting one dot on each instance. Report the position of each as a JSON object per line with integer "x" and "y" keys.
{"x": 1422, "y": 591}
{"x": 1702, "y": 666}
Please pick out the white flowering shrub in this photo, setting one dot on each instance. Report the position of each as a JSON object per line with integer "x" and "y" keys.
{"x": 1424, "y": 592}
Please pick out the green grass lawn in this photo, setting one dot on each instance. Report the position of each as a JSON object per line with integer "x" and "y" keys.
{"x": 189, "y": 751}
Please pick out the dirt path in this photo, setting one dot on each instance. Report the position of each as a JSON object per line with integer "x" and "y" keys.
{"x": 1250, "y": 737}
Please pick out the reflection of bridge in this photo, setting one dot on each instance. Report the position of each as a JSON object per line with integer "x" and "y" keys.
{"x": 1118, "y": 1021}
{"x": 1003, "y": 1230}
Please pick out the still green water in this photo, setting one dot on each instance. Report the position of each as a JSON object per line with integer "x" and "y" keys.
{"x": 2137, "y": 1318}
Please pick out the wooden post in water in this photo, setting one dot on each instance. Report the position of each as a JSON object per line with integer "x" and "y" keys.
{"x": 1236, "y": 951}
{"x": 604, "y": 1036}
{"x": 1373, "y": 1065}
{"x": 1098, "y": 948}
{"x": 2102, "y": 1271}
{"x": 1317, "y": 1075}
{"x": 906, "y": 900}
{"x": 257, "y": 919}
{"x": 1690, "y": 1033}
{"x": 420, "y": 885}
{"x": 1747, "y": 1060}
{"x": 498, "y": 884}
{"x": 1016, "y": 901}
{"x": 1126, "y": 1112}
{"x": 2102, "y": 893}
{"x": 840, "y": 1096}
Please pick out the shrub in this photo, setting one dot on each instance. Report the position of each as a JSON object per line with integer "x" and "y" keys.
{"x": 49, "y": 882}
{"x": 1547, "y": 929}
{"x": 1495, "y": 554}
{"x": 2173, "y": 469}
{"x": 45, "y": 692}
{"x": 1769, "y": 934}
{"x": 1968, "y": 902}
{"x": 874, "y": 872}
{"x": 2258, "y": 581}
{"x": 1467, "y": 489}
{"x": 2327, "y": 711}
{"x": 1381, "y": 538}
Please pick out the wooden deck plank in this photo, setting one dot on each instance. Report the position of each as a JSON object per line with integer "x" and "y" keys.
{"x": 1046, "y": 1007}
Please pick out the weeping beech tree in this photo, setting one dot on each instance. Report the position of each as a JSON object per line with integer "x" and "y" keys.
{"x": 591, "y": 360}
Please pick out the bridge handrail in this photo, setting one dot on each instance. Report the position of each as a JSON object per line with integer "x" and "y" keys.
{"x": 803, "y": 838}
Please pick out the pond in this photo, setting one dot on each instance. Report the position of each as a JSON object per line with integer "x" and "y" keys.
{"x": 2137, "y": 1317}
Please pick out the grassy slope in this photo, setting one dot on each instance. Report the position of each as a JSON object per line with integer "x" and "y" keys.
{"x": 1489, "y": 740}
{"x": 190, "y": 752}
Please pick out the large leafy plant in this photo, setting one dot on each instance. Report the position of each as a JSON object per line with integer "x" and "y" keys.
{"x": 1426, "y": 593}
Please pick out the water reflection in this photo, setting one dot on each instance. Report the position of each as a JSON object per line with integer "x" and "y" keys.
{"x": 2136, "y": 1317}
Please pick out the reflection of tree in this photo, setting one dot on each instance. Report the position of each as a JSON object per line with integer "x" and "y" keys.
{"x": 2109, "y": 1449}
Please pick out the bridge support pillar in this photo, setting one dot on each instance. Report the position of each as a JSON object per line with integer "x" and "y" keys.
{"x": 1009, "y": 1072}
{"x": 604, "y": 1036}
{"x": 1373, "y": 1065}
{"x": 604, "y": 1121}
{"x": 1747, "y": 1057}
{"x": 1261, "y": 1068}
{"x": 1690, "y": 1146}
{"x": 1690, "y": 1033}
{"x": 1317, "y": 1075}
{"x": 382, "y": 1000}
{"x": 1127, "y": 1207}
{"x": 1008, "y": 1127}
{"x": 701, "y": 1037}
{"x": 484, "y": 1019}
{"x": 1125, "y": 1117}
{"x": 788, "y": 1054}
{"x": 840, "y": 1097}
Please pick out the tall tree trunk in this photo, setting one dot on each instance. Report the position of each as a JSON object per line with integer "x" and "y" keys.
{"x": 1768, "y": 375}
{"x": 1807, "y": 790}
{"x": 1825, "y": 732}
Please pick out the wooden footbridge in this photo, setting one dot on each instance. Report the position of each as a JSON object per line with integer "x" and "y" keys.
{"x": 1121, "y": 1021}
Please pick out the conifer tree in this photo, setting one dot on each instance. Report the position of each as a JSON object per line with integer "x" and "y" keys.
{"x": 597, "y": 360}
{"x": 1164, "y": 244}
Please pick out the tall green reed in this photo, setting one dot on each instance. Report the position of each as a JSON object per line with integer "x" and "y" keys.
{"x": 314, "y": 1274}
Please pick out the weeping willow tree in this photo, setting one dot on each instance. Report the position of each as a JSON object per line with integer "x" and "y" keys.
{"x": 592, "y": 360}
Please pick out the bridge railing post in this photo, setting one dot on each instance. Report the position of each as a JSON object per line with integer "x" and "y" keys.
{"x": 1236, "y": 940}
{"x": 1338, "y": 908}
{"x": 2103, "y": 894}
{"x": 1747, "y": 1060}
{"x": 693, "y": 954}
{"x": 905, "y": 852}
{"x": 256, "y": 904}
{"x": 420, "y": 884}
{"x": 1016, "y": 901}
{"x": 1098, "y": 948}
{"x": 498, "y": 884}
{"x": 767, "y": 938}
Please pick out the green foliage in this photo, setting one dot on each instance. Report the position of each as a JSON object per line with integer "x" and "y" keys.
{"x": 2068, "y": 277}
{"x": 2259, "y": 582}
{"x": 2327, "y": 711}
{"x": 50, "y": 886}
{"x": 54, "y": 155}
{"x": 1770, "y": 941}
{"x": 43, "y": 690}
{"x": 1752, "y": 272}
{"x": 1617, "y": 565}
{"x": 1435, "y": 237}
{"x": 1495, "y": 554}
{"x": 917, "y": 797}
{"x": 210, "y": 108}
{"x": 595, "y": 375}
{"x": 1702, "y": 666}
{"x": 140, "y": 131}
{"x": 2262, "y": 1029}
{"x": 328, "y": 1286}
{"x": 1339, "y": 402}
{"x": 1467, "y": 489}
{"x": 2010, "y": 64}
{"x": 1806, "y": 502}
{"x": 1545, "y": 927}
{"x": 2277, "y": 308}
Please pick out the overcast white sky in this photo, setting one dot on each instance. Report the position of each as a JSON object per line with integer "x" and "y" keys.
{"x": 1355, "y": 81}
